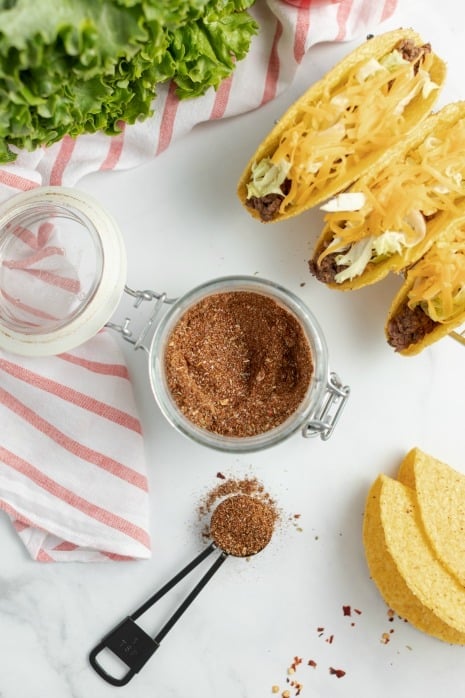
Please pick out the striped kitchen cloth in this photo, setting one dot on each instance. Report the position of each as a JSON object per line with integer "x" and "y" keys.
{"x": 72, "y": 471}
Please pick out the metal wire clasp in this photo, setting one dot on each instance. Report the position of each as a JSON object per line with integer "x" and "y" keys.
{"x": 333, "y": 403}
{"x": 124, "y": 328}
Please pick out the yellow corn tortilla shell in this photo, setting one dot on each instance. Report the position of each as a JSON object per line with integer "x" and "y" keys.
{"x": 440, "y": 493}
{"x": 388, "y": 579}
{"x": 440, "y": 329}
{"x": 415, "y": 112}
{"x": 435, "y": 125}
{"x": 418, "y": 565}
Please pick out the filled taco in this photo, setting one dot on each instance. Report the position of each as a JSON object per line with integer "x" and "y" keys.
{"x": 342, "y": 125}
{"x": 391, "y": 216}
{"x": 431, "y": 302}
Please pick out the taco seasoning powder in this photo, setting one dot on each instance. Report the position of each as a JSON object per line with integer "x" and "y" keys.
{"x": 238, "y": 363}
{"x": 242, "y": 525}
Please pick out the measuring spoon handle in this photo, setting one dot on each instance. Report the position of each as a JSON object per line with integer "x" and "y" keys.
{"x": 130, "y": 643}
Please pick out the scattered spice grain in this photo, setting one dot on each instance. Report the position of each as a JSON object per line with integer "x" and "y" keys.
{"x": 238, "y": 363}
{"x": 242, "y": 525}
{"x": 248, "y": 485}
{"x": 337, "y": 672}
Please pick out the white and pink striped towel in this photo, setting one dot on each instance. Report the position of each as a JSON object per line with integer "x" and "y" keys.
{"x": 73, "y": 477}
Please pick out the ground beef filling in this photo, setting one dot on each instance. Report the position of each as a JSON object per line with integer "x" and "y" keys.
{"x": 412, "y": 53}
{"x": 268, "y": 205}
{"x": 408, "y": 327}
{"x": 327, "y": 269}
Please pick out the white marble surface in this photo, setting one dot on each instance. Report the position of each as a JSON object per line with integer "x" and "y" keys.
{"x": 183, "y": 225}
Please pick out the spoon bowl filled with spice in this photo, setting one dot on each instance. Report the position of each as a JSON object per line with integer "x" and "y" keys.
{"x": 240, "y": 364}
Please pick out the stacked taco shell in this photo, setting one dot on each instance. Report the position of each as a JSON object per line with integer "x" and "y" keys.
{"x": 364, "y": 145}
{"x": 414, "y": 544}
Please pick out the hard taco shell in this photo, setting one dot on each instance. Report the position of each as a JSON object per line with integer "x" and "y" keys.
{"x": 440, "y": 493}
{"x": 395, "y": 510}
{"x": 391, "y": 585}
{"x": 437, "y": 125}
{"x": 321, "y": 92}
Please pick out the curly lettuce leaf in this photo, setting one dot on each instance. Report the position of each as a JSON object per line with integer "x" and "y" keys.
{"x": 205, "y": 52}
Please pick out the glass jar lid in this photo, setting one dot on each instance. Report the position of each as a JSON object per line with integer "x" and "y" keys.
{"x": 62, "y": 270}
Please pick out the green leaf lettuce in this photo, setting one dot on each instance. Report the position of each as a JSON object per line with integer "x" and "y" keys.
{"x": 69, "y": 67}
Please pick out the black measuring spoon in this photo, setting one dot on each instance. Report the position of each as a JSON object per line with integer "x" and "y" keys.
{"x": 230, "y": 521}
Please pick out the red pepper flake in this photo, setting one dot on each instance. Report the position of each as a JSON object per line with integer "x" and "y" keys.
{"x": 311, "y": 662}
{"x": 320, "y": 630}
{"x": 357, "y": 611}
{"x": 221, "y": 476}
{"x": 330, "y": 639}
{"x": 337, "y": 672}
{"x": 295, "y": 663}
{"x": 297, "y": 516}
{"x": 347, "y": 611}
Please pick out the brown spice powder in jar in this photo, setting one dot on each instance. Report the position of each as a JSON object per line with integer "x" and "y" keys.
{"x": 242, "y": 525}
{"x": 238, "y": 364}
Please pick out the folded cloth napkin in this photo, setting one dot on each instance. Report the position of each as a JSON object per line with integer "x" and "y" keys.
{"x": 72, "y": 470}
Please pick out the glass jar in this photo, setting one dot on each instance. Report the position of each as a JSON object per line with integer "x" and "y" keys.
{"x": 62, "y": 276}
{"x": 313, "y": 416}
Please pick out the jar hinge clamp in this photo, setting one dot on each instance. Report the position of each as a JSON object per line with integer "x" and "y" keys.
{"x": 333, "y": 403}
{"x": 139, "y": 297}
